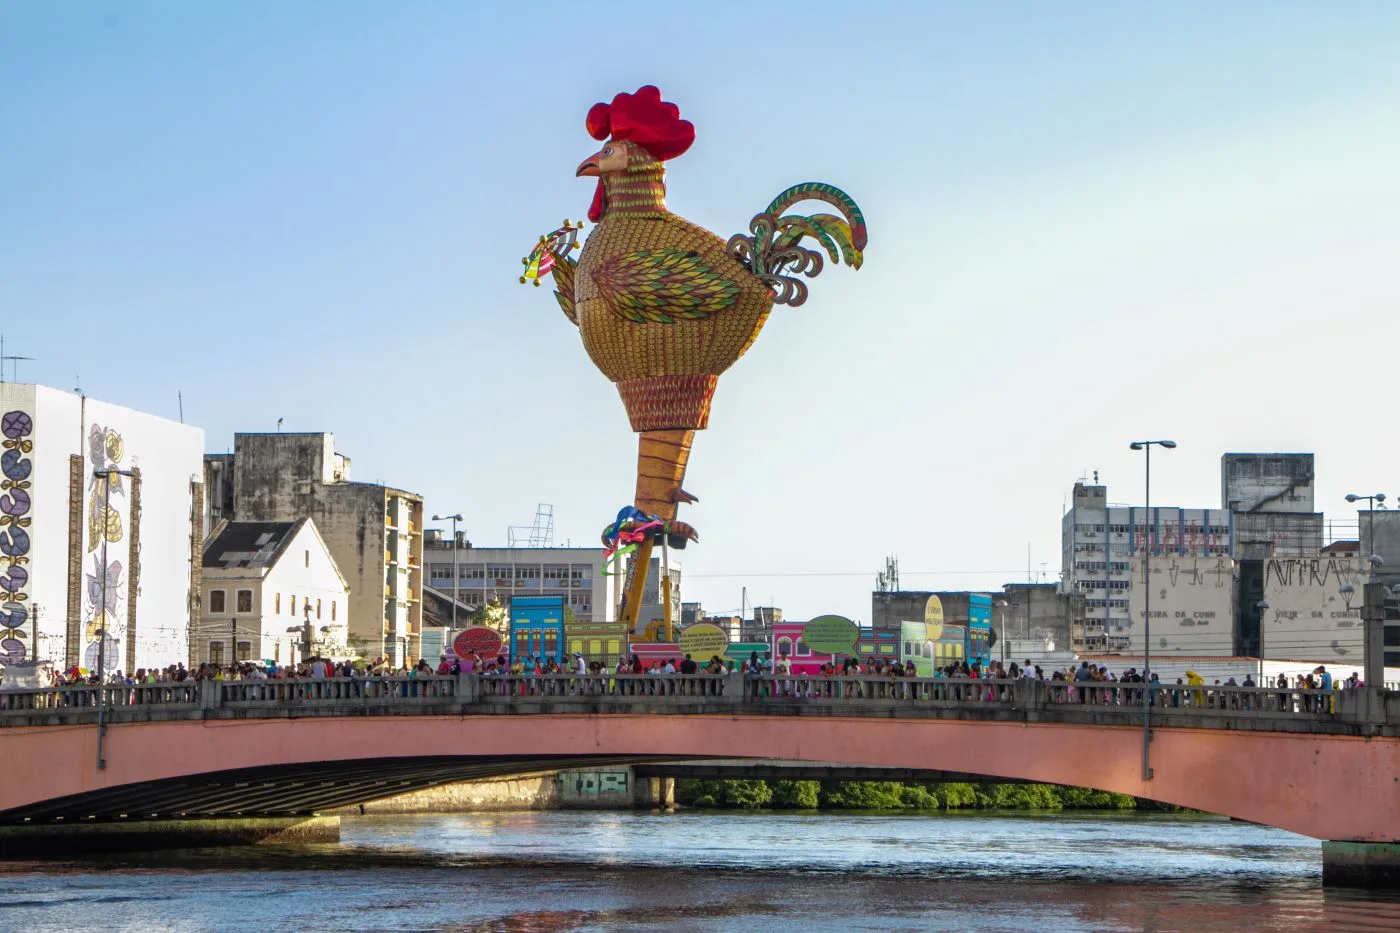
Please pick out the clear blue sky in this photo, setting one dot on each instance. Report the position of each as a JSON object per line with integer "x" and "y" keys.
{"x": 1088, "y": 222}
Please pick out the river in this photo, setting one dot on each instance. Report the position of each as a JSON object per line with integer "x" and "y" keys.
{"x": 550, "y": 872}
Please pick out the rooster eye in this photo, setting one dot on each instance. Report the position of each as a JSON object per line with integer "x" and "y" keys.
{"x": 607, "y": 151}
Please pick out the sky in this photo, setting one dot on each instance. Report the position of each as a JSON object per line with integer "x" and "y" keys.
{"x": 1089, "y": 223}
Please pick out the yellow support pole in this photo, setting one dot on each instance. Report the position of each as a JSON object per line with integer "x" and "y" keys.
{"x": 666, "y": 607}
{"x": 641, "y": 564}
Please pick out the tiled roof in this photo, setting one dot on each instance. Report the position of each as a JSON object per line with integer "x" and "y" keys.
{"x": 250, "y": 544}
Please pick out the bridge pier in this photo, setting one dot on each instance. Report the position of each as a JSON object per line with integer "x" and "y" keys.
{"x": 1374, "y": 865}
{"x": 68, "y": 839}
{"x": 653, "y": 793}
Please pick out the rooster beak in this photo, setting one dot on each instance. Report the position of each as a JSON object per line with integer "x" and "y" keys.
{"x": 588, "y": 167}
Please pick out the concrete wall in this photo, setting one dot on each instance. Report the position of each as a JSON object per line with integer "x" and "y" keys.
{"x": 1038, "y": 609}
{"x": 1267, "y": 482}
{"x": 1309, "y": 617}
{"x": 586, "y": 789}
{"x": 1193, "y": 606}
{"x": 149, "y": 598}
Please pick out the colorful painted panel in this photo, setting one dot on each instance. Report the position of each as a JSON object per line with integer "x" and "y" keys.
{"x": 15, "y": 520}
{"x": 105, "y": 577}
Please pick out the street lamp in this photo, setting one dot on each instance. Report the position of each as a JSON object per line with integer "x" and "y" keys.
{"x": 1146, "y": 448}
{"x": 1371, "y": 501}
{"x": 1001, "y": 604}
{"x": 1263, "y": 607}
{"x": 454, "y": 519}
{"x": 106, "y": 477}
{"x": 306, "y": 631}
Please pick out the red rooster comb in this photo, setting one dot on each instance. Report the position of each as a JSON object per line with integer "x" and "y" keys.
{"x": 645, "y": 119}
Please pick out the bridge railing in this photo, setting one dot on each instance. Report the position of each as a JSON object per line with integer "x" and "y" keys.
{"x": 621, "y": 687}
{"x": 865, "y": 689}
{"x": 336, "y": 691}
{"x": 115, "y": 696}
{"x": 1187, "y": 700}
{"x": 680, "y": 693}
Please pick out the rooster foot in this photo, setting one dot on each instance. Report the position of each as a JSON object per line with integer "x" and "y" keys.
{"x": 678, "y": 534}
{"x": 680, "y": 495}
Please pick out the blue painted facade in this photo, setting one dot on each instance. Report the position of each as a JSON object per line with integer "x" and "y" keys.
{"x": 536, "y": 627}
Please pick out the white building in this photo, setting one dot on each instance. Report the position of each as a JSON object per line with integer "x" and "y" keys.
{"x": 83, "y": 553}
{"x": 484, "y": 574}
{"x": 264, "y": 584}
{"x": 1100, "y": 541}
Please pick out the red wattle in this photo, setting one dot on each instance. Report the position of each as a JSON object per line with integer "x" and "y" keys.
{"x": 600, "y": 203}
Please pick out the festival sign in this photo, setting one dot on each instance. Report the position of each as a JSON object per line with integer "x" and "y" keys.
{"x": 831, "y": 635}
{"x": 484, "y": 641}
{"x": 703, "y": 640}
{"x": 933, "y": 618}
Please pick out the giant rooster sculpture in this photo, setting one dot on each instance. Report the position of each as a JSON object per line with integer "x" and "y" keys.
{"x": 665, "y": 306}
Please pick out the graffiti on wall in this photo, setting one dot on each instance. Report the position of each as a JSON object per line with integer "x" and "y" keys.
{"x": 105, "y": 576}
{"x": 15, "y": 502}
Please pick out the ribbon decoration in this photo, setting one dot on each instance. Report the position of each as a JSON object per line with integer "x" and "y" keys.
{"x": 632, "y": 527}
{"x": 552, "y": 249}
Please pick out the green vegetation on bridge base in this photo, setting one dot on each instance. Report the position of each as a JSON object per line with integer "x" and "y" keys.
{"x": 895, "y": 795}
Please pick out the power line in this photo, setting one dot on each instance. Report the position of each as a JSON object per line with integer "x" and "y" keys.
{"x": 862, "y": 573}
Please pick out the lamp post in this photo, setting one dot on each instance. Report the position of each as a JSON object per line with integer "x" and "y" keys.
{"x": 1001, "y": 604}
{"x": 1371, "y": 501}
{"x": 1146, "y": 448}
{"x": 1263, "y": 607}
{"x": 306, "y": 632}
{"x": 454, "y": 519}
{"x": 106, "y": 477}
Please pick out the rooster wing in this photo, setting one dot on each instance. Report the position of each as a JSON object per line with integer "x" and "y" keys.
{"x": 660, "y": 286}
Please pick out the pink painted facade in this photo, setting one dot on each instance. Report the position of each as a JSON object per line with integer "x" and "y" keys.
{"x": 788, "y": 643}
{"x": 1328, "y": 787}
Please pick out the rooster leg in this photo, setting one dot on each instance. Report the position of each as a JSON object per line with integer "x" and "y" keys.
{"x": 661, "y": 460}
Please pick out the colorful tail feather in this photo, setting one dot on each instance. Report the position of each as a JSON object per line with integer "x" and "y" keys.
{"x": 772, "y": 250}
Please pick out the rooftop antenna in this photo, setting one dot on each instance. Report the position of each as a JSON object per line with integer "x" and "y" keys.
{"x": 887, "y": 580}
{"x": 279, "y": 425}
{"x": 13, "y": 359}
{"x": 1096, "y": 477}
{"x": 180, "y": 396}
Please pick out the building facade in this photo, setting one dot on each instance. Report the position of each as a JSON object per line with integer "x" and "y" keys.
{"x": 373, "y": 532}
{"x": 100, "y": 529}
{"x": 1038, "y": 613}
{"x": 1100, "y": 542}
{"x": 268, "y": 588}
{"x": 498, "y": 573}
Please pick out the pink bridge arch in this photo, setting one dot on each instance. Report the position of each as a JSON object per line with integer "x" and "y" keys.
{"x": 1330, "y": 787}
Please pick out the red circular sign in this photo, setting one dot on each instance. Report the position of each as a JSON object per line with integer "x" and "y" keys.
{"x": 484, "y": 641}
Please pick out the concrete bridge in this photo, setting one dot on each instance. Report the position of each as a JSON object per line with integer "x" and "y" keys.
{"x": 243, "y": 760}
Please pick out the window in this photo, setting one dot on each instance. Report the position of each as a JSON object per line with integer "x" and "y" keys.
{"x": 292, "y": 605}
{"x": 332, "y": 610}
{"x": 306, "y": 559}
{"x": 277, "y": 602}
{"x": 216, "y": 601}
{"x": 784, "y": 647}
{"x": 216, "y": 652}
{"x": 318, "y": 609}
{"x": 245, "y": 601}
{"x": 245, "y": 651}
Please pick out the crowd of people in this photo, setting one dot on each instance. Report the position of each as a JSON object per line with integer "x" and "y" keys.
{"x": 1086, "y": 684}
